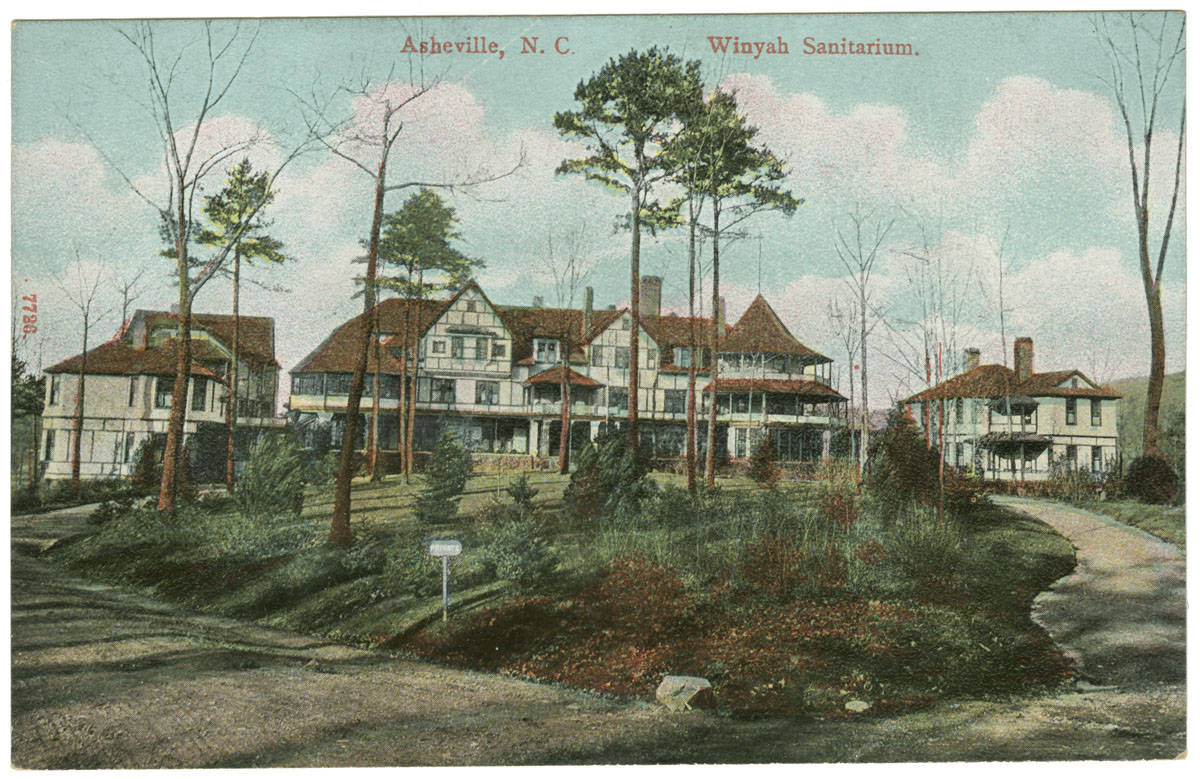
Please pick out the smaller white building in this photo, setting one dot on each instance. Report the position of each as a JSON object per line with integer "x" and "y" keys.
{"x": 1013, "y": 424}
{"x": 127, "y": 387}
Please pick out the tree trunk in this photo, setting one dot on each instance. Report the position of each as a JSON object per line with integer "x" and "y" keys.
{"x": 635, "y": 303}
{"x": 231, "y": 408}
{"x": 373, "y": 433}
{"x": 411, "y": 421}
{"x": 339, "y": 530}
{"x": 865, "y": 445}
{"x": 710, "y": 463}
{"x": 183, "y": 362}
{"x": 1158, "y": 366}
{"x": 691, "y": 395}
{"x": 76, "y": 444}
{"x": 402, "y": 413}
{"x": 564, "y": 443}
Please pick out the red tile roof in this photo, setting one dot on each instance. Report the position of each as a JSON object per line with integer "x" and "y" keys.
{"x": 554, "y": 376}
{"x": 993, "y": 381}
{"x": 256, "y": 334}
{"x": 115, "y": 358}
{"x": 525, "y": 324}
{"x": 760, "y": 330}
{"x": 676, "y": 331}
{"x": 786, "y": 386}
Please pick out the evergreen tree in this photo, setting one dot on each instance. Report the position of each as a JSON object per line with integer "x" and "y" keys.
{"x": 445, "y": 479}
{"x": 763, "y": 465}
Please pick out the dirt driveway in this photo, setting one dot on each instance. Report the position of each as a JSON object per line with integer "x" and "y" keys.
{"x": 107, "y": 678}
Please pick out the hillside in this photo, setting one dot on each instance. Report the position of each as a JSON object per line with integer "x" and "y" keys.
{"x": 1170, "y": 418}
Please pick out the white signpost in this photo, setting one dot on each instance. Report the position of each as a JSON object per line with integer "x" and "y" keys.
{"x": 445, "y": 548}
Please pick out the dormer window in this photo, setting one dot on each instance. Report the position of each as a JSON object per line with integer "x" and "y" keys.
{"x": 683, "y": 356}
{"x": 624, "y": 323}
{"x": 545, "y": 350}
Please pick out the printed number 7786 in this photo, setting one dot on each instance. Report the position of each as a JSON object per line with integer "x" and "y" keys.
{"x": 29, "y": 320}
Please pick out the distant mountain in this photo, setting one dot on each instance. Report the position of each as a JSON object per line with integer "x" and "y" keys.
{"x": 1132, "y": 411}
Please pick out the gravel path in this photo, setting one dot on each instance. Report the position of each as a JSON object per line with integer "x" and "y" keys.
{"x": 104, "y": 678}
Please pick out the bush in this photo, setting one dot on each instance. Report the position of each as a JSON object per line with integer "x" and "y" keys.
{"x": 1151, "y": 480}
{"x": 273, "y": 481}
{"x": 110, "y": 510}
{"x": 903, "y": 469}
{"x": 519, "y": 552}
{"x": 322, "y": 468}
{"x": 147, "y": 465}
{"x": 1069, "y": 482}
{"x": 445, "y": 478}
{"x": 522, "y": 494}
{"x": 609, "y": 479}
{"x": 919, "y": 546}
{"x": 763, "y": 466}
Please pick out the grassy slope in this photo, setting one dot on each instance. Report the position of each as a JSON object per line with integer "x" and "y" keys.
{"x": 1165, "y": 522}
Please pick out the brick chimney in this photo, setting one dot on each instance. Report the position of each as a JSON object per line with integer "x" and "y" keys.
{"x": 651, "y": 295}
{"x": 721, "y": 313}
{"x": 1023, "y": 357}
{"x": 970, "y": 359}
{"x": 587, "y": 309}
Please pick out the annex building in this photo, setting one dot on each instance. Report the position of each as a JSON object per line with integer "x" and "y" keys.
{"x": 492, "y": 374}
{"x": 1012, "y": 424}
{"x": 128, "y": 383}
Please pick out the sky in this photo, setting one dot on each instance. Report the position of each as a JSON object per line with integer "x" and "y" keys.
{"x": 996, "y": 145}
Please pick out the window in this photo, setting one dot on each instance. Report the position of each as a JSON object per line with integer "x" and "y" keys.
{"x": 338, "y": 383}
{"x": 498, "y": 351}
{"x": 624, "y": 325}
{"x": 55, "y": 387}
{"x": 597, "y": 356}
{"x": 133, "y": 382}
{"x": 958, "y": 454}
{"x": 741, "y": 403}
{"x": 1097, "y": 459}
{"x": 443, "y": 390}
{"x": 545, "y": 350}
{"x": 683, "y": 356}
{"x": 651, "y": 358}
{"x": 163, "y": 387}
{"x": 622, "y": 357}
{"x": 200, "y": 394}
{"x": 470, "y": 305}
{"x": 487, "y": 393}
{"x": 1070, "y": 411}
{"x": 1097, "y": 414}
{"x": 439, "y": 346}
{"x": 675, "y": 402}
{"x": 48, "y": 452}
{"x": 456, "y": 347}
{"x": 129, "y": 446}
{"x": 958, "y": 411}
{"x": 618, "y": 398}
{"x": 481, "y": 349}
{"x": 1071, "y": 455}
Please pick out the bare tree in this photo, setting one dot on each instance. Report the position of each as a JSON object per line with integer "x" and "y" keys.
{"x": 179, "y": 115}
{"x": 568, "y": 268}
{"x": 129, "y": 284}
{"x": 81, "y": 289}
{"x": 1140, "y": 70}
{"x": 857, "y": 248}
{"x": 845, "y": 316}
{"x": 366, "y": 140}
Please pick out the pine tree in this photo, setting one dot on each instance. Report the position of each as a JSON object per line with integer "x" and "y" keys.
{"x": 445, "y": 479}
{"x": 763, "y": 466}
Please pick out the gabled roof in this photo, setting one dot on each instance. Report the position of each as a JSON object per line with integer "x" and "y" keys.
{"x": 115, "y": 358}
{"x": 526, "y": 324}
{"x": 807, "y": 387}
{"x": 760, "y": 330}
{"x": 554, "y": 376}
{"x": 993, "y": 381}
{"x": 256, "y": 334}
{"x": 339, "y": 351}
{"x": 670, "y": 332}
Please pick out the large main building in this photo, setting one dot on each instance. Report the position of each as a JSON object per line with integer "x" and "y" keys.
{"x": 492, "y": 375}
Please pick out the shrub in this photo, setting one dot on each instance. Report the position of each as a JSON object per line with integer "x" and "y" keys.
{"x": 1069, "y": 482}
{"x": 763, "y": 466}
{"x": 147, "y": 465}
{"x": 919, "y": 546}
{"x": 902, "y": 469}
{"x": 322, "y": 468}
{"x": 445, "y": 478}
{"x": 1151, "y": 480}
{"x": 522, "y": 494}
{"x": 609, "y": 480}
{"x": 273, "y": 481}
{"x": 519, "y": 552}
{"x": 110, "y": 510}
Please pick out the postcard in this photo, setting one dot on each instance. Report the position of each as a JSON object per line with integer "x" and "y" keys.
{"x": 598, "y": 390}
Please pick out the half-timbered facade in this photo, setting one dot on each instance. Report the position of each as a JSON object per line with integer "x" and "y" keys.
{"x": 493, "y": 374}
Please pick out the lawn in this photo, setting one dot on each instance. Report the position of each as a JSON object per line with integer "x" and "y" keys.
{"x": 1166, "y": 522}
{"x": 788, "y": 600}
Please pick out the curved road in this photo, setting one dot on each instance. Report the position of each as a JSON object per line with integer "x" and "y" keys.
{"x": 104, "y": 678}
